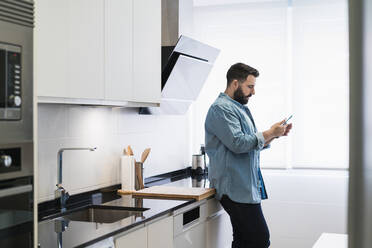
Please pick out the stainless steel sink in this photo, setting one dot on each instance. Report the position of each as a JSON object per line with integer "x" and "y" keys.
{"x": 103, "y": 214}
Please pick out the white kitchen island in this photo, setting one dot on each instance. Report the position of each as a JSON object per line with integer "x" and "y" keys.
{"x": 328, "y": 240}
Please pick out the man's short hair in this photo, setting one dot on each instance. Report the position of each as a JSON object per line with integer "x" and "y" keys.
{"x": 240, "y": 72}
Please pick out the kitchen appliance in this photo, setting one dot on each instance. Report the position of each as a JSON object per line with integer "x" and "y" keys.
{"x": 186, "y": 62}
{"x": 198, "y": 164}
{"x": 16, "y": 123}
{"x": 189, "y": 226}
{"x": 16, "y": 212}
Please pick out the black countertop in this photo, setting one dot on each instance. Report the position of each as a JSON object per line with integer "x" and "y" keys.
{"x": 81, "y": 234}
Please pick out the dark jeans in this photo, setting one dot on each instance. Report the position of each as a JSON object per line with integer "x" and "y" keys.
{"x": 249, "y": 226}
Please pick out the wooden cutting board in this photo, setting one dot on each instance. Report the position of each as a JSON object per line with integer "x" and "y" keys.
{"x": 168, "y": 192}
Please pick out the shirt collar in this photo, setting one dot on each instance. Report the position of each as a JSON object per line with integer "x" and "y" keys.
{"x": 228, "y": 98}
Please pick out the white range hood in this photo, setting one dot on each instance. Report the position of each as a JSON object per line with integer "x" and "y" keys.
{"x": 186, "y": 62}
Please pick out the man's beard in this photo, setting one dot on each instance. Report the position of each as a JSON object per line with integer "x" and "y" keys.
{"x": 240, "y": 97}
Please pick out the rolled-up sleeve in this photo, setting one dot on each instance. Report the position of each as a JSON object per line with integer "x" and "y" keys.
{"x": 226, "y": 126}
{"x": 261, "y": 141}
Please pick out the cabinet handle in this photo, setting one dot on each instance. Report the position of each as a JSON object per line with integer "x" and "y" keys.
{"x": 15, "y": 190}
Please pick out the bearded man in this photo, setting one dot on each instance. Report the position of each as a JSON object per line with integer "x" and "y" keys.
{"x": 233, "y": 145}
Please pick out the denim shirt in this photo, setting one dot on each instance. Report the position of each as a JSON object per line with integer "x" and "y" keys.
{"x": 233, "y": 146}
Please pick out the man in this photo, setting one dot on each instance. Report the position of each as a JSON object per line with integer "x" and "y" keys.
{"x": 233, "y": 146}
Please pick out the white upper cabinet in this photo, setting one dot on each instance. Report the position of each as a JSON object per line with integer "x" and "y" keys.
{"x": 147, "y": 50}
{"x": 51, "y": 48}
{"x": 103, "y": 52}
{"x": 119, "y": 49}
{"x": 69, "y": 48}
{"x": 86, "y": 49}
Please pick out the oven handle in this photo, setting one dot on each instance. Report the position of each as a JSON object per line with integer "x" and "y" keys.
{"x": 15, "y": 190}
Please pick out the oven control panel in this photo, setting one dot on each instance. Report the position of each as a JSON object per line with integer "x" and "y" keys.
{"x": 10, "y": 82}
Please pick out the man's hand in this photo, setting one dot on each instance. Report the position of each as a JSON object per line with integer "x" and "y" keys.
{"x": 287, "y": 129}
{"x": 278, "y": 129}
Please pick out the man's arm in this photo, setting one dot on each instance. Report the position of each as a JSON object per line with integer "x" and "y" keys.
{"x": 226, "y": 126}
{"x": 267, "y": 142}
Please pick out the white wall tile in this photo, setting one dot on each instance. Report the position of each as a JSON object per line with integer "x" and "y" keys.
{"x": 52, "y": 121}
{"x": 110, "y": 130}
{"x": 90, "y": 121}
{"x": 129, "y": 121}
{"x": 47, "y": 168}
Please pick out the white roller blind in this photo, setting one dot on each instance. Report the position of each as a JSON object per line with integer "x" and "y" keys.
{"x": 320, "y": 84}
{"x": 300, "y": 49}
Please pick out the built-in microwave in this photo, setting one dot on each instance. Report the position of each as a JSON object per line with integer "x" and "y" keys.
{"x": 10, "y": 82}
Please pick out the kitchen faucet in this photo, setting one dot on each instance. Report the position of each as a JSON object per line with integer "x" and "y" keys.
{"x": 60, "y": 192}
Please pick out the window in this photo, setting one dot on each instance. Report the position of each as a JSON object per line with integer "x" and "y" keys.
{"x": 300, "y": 48}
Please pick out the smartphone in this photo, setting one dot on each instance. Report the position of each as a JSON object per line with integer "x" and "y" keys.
{"x": 286, "y": 121}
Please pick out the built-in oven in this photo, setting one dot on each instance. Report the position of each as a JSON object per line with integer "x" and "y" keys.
{"x": 16, "y": 123}
{"x": 16, "y": 212}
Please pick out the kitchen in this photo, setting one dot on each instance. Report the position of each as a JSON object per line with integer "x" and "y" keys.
{"x": 93, "y": 69}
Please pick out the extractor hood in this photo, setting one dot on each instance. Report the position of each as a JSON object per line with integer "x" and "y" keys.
{"x": 186, "y": 62}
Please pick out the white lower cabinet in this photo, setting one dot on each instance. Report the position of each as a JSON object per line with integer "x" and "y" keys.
{"x": 192, "y": 238}
{"x": 219, "y": 229}
{"x": 190, "y": 226}
{"x": 135, "y": 239}
{"x": 160, "y": 233}
{"x": 199, "y": 225}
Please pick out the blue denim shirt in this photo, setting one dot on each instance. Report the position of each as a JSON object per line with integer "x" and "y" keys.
{"x": 233, "y": 146}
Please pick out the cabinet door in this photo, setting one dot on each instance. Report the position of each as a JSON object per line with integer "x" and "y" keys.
{"x": 160, "y": 234}
{"x": 194, "y": 237}
{"x": 219, "y": 230}
{"x": 51, "y": 48}
{"x": 86, "y": 49}
{"x": 69, "y": 48}
{"x": 119, "y": 49}
{"x": 147, "y": 50}
{"x": 135, "y": 239}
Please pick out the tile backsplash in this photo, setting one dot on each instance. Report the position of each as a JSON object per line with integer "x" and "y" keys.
{"x": 110, "y": 130}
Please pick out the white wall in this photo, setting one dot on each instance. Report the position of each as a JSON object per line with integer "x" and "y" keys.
{"x": 110, "y": 130}
{"x": 303, "y": 204}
